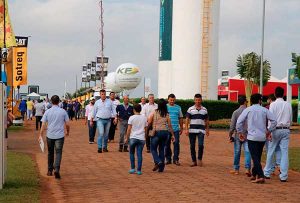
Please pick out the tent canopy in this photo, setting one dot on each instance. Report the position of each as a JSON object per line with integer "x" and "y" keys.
{"x": 33, "y": 94}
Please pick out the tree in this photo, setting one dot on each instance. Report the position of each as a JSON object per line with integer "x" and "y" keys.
{"x": 248, "y": 67}
{"x": 296, "y": 63}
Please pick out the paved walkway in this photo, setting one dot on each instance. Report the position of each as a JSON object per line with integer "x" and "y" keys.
{"x": 91, "y": 177}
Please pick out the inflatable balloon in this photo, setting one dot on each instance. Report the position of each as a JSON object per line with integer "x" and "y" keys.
{"x": 128, "y": 76}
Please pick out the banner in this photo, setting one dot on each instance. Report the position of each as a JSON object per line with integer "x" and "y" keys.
{"x": 10, "y": 36}
{"x": 165, "y": 30}
{"x": 22, "y": 41}
{"x": 93, "y": 71}
{"x": 19, "y": 66}
{"x": 99, "y": 67}
{"x": 88, "y": 72}
{"x": 83, "y": 76}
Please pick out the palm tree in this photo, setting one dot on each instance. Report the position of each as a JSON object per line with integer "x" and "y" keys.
{"x": 296, "y": 63}
{"x": 248, "y": 67}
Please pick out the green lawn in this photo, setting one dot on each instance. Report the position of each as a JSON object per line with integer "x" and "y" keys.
{"x": 294, "y": 156}
{"x": 22, "y": 184}
{"x": 15, "y": 128}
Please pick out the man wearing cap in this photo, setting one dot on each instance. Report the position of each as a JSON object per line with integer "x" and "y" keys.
{"x": 88, "y": 113}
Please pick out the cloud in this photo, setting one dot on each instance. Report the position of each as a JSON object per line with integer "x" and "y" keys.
{"x": 65, "y": 35}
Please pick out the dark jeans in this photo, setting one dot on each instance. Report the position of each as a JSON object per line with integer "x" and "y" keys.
{"x": 148, "y": 138}
{"x": 112, "y": 130}
{"x": 158, "y": 142}
{"x": 23, "y": 114}
{"x": 71, "y": 114}
{"x": 256, "y": 149}
{"x": 92, "y": 131}
{"x": 193, "y": 137}
{"x": 176, "y": 147}
{"x": 138, "y": 145}
{"x": 77, "y": 115}
{"x": 56, "y": 144}
{"x": 38, "y": 122}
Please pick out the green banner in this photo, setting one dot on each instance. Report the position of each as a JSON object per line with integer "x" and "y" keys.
{"x": 165, "y": 30}
{"x": 293, "y": 79}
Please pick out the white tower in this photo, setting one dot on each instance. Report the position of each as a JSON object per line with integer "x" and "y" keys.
{"x": 188, "y": 48}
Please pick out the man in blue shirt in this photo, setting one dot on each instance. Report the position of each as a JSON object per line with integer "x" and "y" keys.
{"x": 256, "y": 117}
{"x": 57, "y": 119}
{"x": 103, "y": 110}
{"x": 124, "y": 111}
{"x": 176, "y": 117}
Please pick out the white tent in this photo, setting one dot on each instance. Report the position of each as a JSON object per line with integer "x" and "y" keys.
{"x": 33, "y": 94}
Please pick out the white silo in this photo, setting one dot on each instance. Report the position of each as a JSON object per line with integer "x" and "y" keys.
{"x": 188, "y": 48}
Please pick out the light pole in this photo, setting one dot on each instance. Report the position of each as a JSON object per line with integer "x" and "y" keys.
{"x": 262, "y": 48}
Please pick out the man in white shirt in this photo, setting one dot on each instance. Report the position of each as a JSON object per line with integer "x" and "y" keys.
{"x": 143, "y": 102}
{"x": 39, "y": 112}
{"x": 112, "y": 129}
{"x": 88, "y": 114}
{"x": 146, "y": 111}
{"x": 282, "y": 111}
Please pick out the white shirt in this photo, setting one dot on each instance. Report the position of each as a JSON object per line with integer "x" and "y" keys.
{"x": 115, "y": 103}
{"x": 142, "y": 105}
{"x": 89, "y": 111}
{"x": 138, "y": 122}
{"x": 282, "y": 111}
{"x": 148, "y": 109}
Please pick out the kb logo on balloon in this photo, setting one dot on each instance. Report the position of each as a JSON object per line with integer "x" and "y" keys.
{"x": 128, "y": 70}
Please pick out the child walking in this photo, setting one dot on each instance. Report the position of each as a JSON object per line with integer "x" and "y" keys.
{"x": 137, "y": 126}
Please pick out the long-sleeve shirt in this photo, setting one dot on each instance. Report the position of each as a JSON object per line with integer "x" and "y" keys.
{"x": 234, "y": 119}
{"x": 103, "y": 109}
{"x": 256, "y": 117}
{"x": 148, "y": 109}
{"x": 89, "y": 111}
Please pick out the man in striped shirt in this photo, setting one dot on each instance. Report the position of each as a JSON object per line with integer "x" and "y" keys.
{"x": 197, "y": 126}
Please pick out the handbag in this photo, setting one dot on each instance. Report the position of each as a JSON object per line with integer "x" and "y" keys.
{"x": 152, "y": 133}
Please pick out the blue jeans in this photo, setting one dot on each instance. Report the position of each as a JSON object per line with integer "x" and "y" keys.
{"x": 281, "y": 138}
{"x": 193, "y": 137}
{"x": 176, "y": 147}
{"x": 158, "y": 142}
{"x": 56, "y": 144}
{"x": 277, "y": 158}
{"x": 237, "y": 154}
{"x": 92, "y": 131}
{"x": 139, "y": 146}
{"x": 103, "y": 126}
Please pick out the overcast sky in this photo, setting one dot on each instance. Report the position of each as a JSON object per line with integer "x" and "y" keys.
{"x": 65, "y": 35}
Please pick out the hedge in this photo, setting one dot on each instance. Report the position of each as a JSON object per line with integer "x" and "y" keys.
{"x": 217, "y": 109}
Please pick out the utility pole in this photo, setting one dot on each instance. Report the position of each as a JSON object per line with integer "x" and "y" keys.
{"x": 262, "y": 48}
{"x": 102, "y": 43}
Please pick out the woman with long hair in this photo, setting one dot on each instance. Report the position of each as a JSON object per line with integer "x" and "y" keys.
{"x": 161, "y": 123}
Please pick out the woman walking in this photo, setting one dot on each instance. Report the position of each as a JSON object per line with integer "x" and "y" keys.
{"x": 161, "y": 123}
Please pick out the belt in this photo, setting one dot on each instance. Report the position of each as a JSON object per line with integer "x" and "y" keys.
{"x": 282, "y": 127}
{"x": 104, "y": 118}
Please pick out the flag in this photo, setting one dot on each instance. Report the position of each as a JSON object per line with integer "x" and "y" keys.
{"x": 19, "y": 66}
{"x": 10, "y": 36}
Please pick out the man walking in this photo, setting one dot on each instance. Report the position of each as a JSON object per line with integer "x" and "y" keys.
{"x": 176, "y": 117}
{"x": 77, "y": 107}
{"x": 30, "y": 106}
{"x": 256, "y": 117}
{"x": 57, "y": 120}
{"x": 237, "y": 142}
{"x": 88, "y": 114}
{"x": 103, "y": 110}
{"x": 23, "y": 108}
{"x": 196, "y": 126}
{"x": 282, "y": 111}
{"x": 124, "y": 111}
{"x": 39, "y": 112}
{"x": 147, "y": 110}
{"x": 113, "y": 125}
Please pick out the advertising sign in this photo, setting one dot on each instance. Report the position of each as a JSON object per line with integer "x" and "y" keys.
{"x": 165, "y": 30}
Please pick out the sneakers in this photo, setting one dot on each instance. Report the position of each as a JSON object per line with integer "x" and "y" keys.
{"x": 49, "y": 173}
{"x": 131, "y": 171}
{"x": 139, "y": 173}
{"x": 91, "y": 142}
{"x": 57, "y": 175}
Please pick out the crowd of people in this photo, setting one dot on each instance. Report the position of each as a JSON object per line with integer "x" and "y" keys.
{"x": 158, "y": 125}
